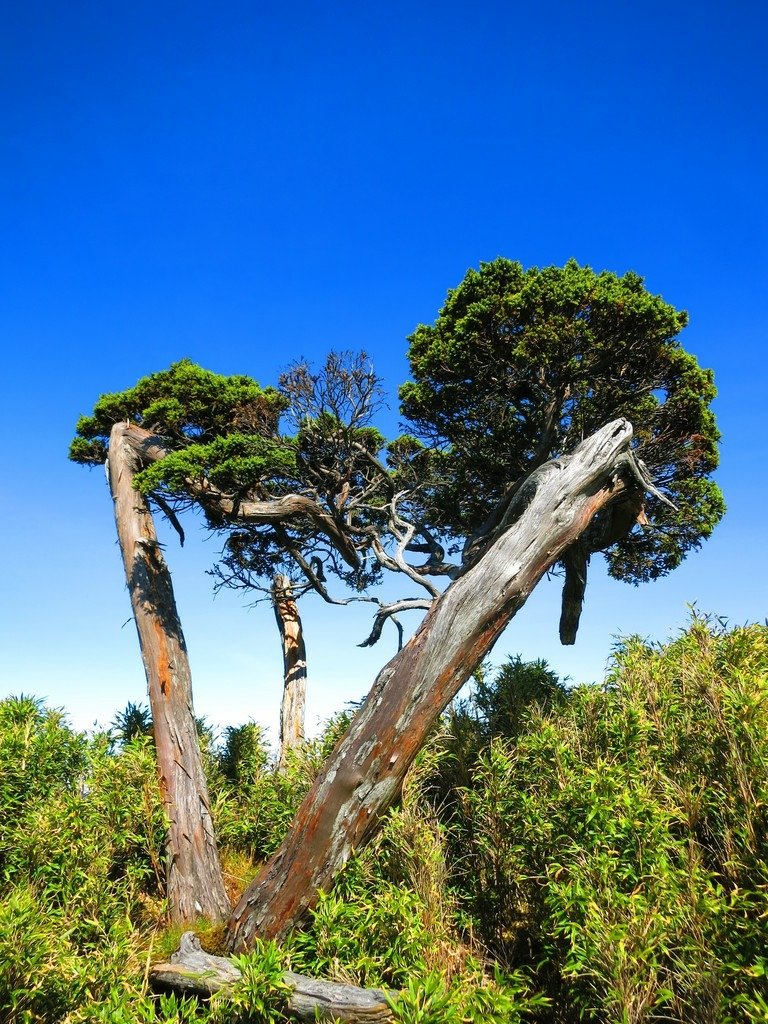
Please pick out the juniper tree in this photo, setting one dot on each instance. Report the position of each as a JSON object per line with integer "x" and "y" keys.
{"x": 178, "y": 410}
{"x": 522, "y": 456}
{"x": 519, "y": 367}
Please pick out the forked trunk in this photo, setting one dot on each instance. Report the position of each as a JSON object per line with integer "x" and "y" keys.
{"x": 294, "y": 667}
{"x": 364, "y": 774}
{"x": 194, "y": 879}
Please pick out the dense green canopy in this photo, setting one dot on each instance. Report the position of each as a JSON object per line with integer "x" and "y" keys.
{"x": 222, "y": 428}
{"x": 223, "y": 451}
{"x": 520, "y": 365}
{"x": 518, "y": 368}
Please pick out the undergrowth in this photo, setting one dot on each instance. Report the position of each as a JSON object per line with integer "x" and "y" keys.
{"x": 596, "y": 854}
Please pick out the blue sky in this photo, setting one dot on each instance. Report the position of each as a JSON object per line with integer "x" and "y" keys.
{"x": 245, "y": 184}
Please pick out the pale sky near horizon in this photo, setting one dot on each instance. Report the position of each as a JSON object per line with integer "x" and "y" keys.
{"x": 245, "y": 185}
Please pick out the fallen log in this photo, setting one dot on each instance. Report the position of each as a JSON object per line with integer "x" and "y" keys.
{"x": 192, "y": 971}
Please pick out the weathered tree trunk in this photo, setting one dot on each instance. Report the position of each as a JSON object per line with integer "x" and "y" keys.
{"x": 194, "y": 878}
{"x": 364, "y": 774}
{"x": 294, "y": 667}
{"x": 195, "y": 972}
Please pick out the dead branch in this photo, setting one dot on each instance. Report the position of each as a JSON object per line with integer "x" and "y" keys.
{"x": 192, "y": 971}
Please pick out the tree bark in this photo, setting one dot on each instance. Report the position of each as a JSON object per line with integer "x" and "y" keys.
{"x": 294, "y": 667}
{"x": 195, "y": 972}
{"x": 364, "y": 774}
{"x": 194, "y": 879}
{"x": 611, "y": 525}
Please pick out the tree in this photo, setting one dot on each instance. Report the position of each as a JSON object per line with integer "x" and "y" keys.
{"x": 339, "y": 463}
{"x": 187, "y": 405}
{"x": 131, "y": 723}
{"x": 364, "y": 774}
{"x": 519, "y": 367}
{"x": 502, "y": 701}
{"x": 515, "y": 470}
{"x": 194, "y": 879}
{"x": 184, "y": 438}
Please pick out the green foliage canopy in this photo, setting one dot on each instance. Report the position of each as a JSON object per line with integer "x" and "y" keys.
{"x": 218, "y": 427}
{"x": 221, "y": 439}
{"x": 518, "y": 368}
{"x": 521, "y": 365}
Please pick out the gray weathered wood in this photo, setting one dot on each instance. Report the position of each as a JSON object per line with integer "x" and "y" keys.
{"x": 192, "y": 971}
{"x": 364, "y": 774}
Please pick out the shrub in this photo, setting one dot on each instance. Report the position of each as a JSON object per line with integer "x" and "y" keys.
{"x": 592, "y": 855}
{"x": 619, "y": 840}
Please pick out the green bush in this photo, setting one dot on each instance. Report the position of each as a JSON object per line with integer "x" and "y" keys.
{"x": 253, "y": 802}
{"x": 367, "y": 932}
{"x": 82, "y": 839}
{"x": 620, "y": 841}
{"x": 502, "y": 999}
{"x": 41, "y": 758}
{"x": 261, "y": 994}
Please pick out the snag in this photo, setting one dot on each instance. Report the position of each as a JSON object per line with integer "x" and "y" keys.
{"x": 364, "y": 774}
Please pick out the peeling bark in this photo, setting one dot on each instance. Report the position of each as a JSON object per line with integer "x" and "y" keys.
{"x": 364, "y": 774}
{"x": 294, "y": 667}
{"x": 194, "y": 879}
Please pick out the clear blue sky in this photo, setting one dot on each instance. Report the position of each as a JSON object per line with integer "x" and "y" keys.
{"x": 246, "y": 183}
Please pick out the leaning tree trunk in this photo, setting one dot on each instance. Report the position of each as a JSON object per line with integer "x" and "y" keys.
{"x": 364, "y": 774}
{"x": 194, "y": 878}
{"x": 294, "y": 667}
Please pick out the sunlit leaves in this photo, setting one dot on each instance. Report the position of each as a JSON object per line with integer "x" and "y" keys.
{"x": 619, "y": 835}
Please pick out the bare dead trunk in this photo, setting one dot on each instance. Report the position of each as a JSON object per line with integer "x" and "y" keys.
{"x": 294, "y": 667}
{"x": 612, "y": 525}
{"x": 194, "y": 878}
{"x": 364, "y": 774}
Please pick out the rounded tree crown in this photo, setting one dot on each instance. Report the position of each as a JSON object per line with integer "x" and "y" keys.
{"x": 521, "y": 365}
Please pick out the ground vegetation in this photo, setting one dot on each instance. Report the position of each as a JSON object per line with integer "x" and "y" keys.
{"x": 583, "y": 854}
